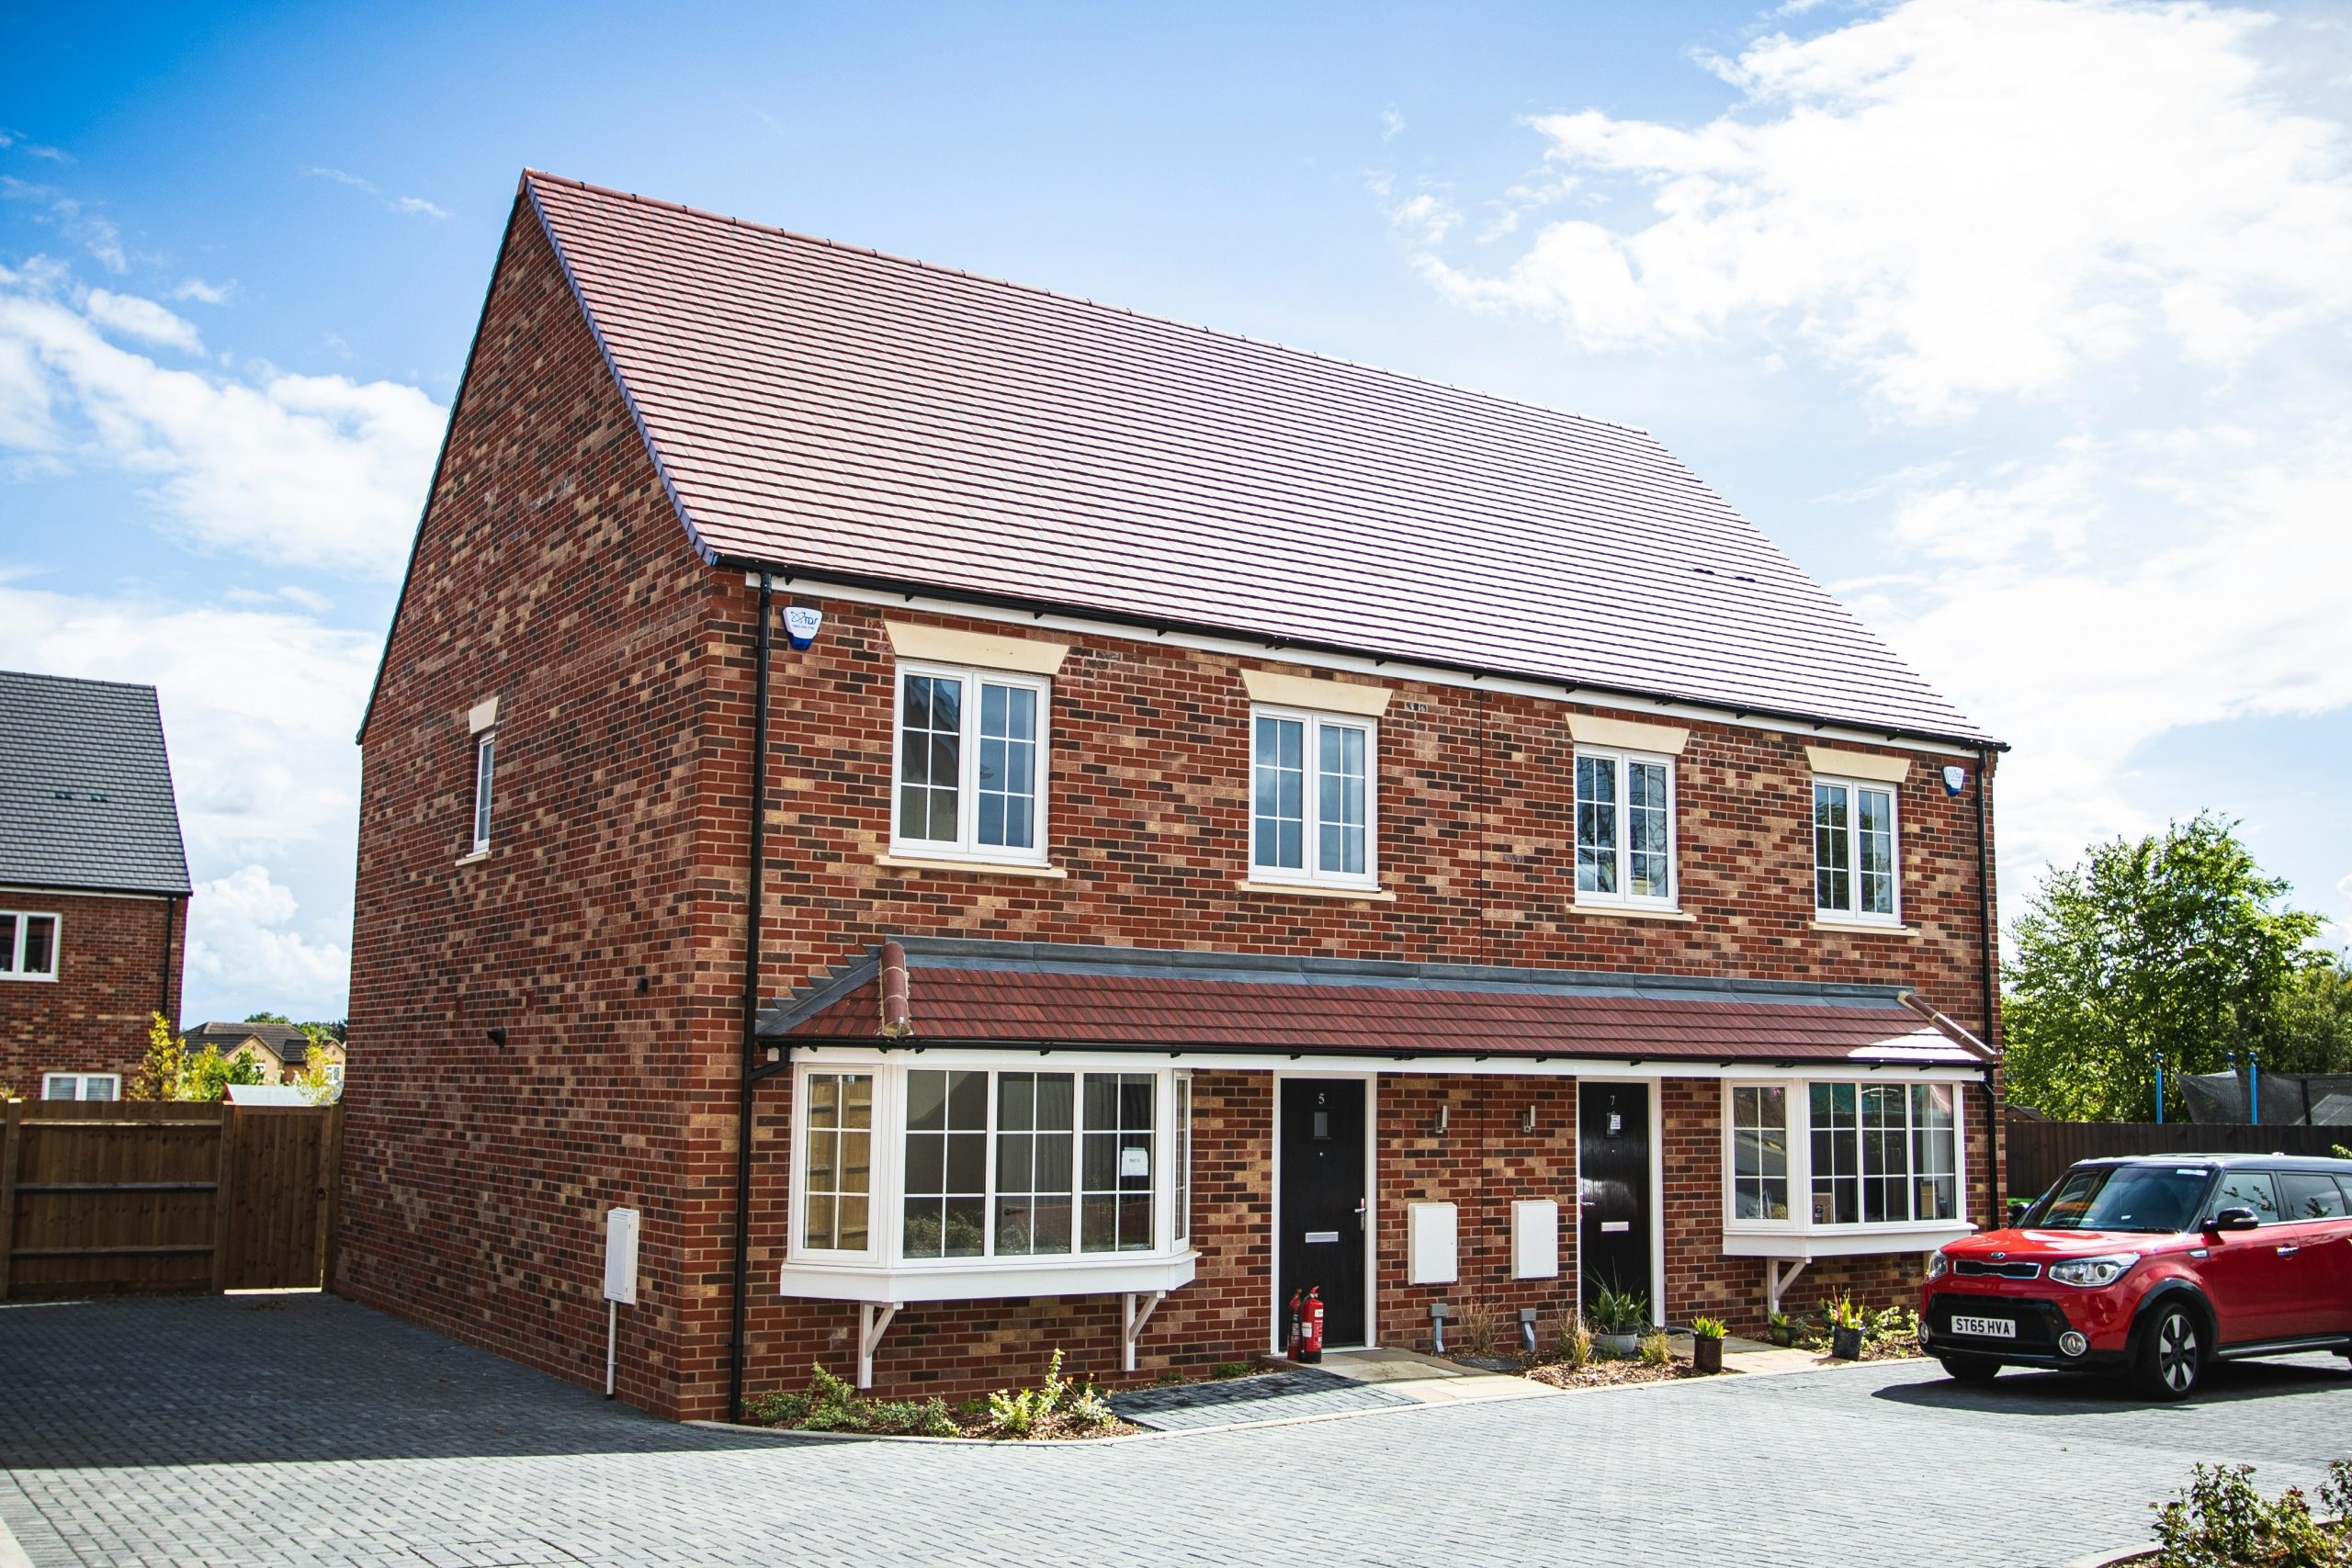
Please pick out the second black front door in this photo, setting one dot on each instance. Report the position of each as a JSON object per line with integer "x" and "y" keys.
{"x": 1613, "y": 1186}
{"x": 1323, "y": 1207}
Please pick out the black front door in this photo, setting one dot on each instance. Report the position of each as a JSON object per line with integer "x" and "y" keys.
{"x": 1323, "y": 1203}
{"x": 1614, "y": 1185}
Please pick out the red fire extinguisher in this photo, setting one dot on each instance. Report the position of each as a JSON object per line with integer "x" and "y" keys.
{"x": 1310, "y": 1345}
{"x": 1291, "y": 1342}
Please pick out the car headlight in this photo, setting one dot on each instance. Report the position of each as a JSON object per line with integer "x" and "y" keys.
{"x": 1939, "y": 1265}
{"x": 2092, "y": 1272}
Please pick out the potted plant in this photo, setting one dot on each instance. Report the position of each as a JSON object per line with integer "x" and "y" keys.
{"x": 1846, "y": 1324}
{"x": 1707, "y": 1343}
{"x": 1780, "y": 1330}
{"x": 1620, "y": 1315}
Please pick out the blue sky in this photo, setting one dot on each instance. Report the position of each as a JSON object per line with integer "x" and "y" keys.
{"x": 2020, "y": 322}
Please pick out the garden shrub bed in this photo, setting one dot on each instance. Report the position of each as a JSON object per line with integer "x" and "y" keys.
{"x": 1059, "y": 1410}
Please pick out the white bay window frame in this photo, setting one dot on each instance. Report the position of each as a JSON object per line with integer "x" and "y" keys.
{"x": 967, "y": 842}
{"x": 1312, "y": 870}
{"x": 883, "y": 1271}
{"x": 1620, "y": 765}
{"x": 1797, "y": 1235}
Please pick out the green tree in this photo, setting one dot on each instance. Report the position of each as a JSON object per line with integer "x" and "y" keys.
{"x": 169, "y": 1072}
{"x": 209, "y": 1074}
{"x": 2171, "y": 943}
{"x": 2315, "y": 1021}
{"x": 267, "y": 1018}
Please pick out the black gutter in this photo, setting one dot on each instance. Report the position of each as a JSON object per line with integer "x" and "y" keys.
{"x": 917, "y": 1045}
{"x": 757, "y": 887}
{"x": 1987, "y": 979}
{"x": 1571, "y": 690}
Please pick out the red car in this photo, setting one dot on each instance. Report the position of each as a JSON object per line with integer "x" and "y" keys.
{"x": 2154, "y": 1268}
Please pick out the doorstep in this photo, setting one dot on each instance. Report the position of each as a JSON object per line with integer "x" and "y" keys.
{"x": 1754, "y": 1356}
{"x": 1426, "y": 1379}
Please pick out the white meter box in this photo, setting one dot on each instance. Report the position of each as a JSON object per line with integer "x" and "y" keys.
{"x": 1536, "y": 1238}
{"x": 1430, "y": 1231}
{"x": 621, "y": 1256}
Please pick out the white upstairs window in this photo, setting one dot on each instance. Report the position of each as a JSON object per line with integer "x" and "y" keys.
{"x": 28, "y": 946}
{"x": 1854, "y": 851}
{"x": 969, "y": 774}
{"x": 1313, "y": 808}
{"x": 1625, "y": 828}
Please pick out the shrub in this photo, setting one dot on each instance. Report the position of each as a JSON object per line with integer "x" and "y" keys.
{"x": 1620, "y": 1311}
{"x": 1709, "y": 1328}
{"x": 1482, "y": 1328}
{"x": 828, "y": 1405}
{"x": 1230, "y": 1370}
{"x": 1893, "y": 1323}
{"x": 1655, "y": 1350}
{"x": 1019, "y": 1412}
{"x": 2219, "y": 1520}
{"x": 1575, "y": 1342}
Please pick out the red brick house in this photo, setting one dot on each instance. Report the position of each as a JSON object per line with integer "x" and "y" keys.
{"x": 93, "y": 884}
{"x": 1244, "y": 820}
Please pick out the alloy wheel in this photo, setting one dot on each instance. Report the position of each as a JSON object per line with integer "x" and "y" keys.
{"x": 2176, "y": 1351}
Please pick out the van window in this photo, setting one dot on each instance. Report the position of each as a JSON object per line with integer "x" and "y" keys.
{"x": 2311, "y": 1196}
{"x": 2247, "y": 1189}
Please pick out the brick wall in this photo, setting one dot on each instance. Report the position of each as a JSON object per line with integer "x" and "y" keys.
{"x": 552, "y": 575}
{"x": 113, "y": 974}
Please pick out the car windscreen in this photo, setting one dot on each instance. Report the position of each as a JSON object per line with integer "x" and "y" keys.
{"x": 2124, "y": 1198}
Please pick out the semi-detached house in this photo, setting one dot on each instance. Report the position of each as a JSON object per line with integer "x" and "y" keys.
{"x": 1244, "y": 821}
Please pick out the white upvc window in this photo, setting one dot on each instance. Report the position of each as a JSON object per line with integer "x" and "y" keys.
{"x": 1843, "y": 1155}
{"x": 28, "y": 946}
{"x": 968, "y": 777}
{"x": 1855, "y": 852}
{"x": 1314, "y": 808}
{"x": 485, "y": 768}
{"x": 954, "y": 1167}
{"x": 1625, "y": 833}
{"x": 80, "y": 1086}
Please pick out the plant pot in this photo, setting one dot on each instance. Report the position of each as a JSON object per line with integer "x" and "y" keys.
{"x": 1783, "y": 1335}
{"x": 1707, "y": 1355}
{"x": 1845, "y": 1344}
{"x": 1624, "y": 1347}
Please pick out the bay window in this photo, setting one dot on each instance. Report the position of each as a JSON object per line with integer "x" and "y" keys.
{"x": 1311, "y": 797}
{"x": 1625, "y": 828}
{"x": 970, "y": 764}
{"x": 1842, "y": 1156}
{"x": 1854, "y": 851}
{"x": 981, "y": 1169}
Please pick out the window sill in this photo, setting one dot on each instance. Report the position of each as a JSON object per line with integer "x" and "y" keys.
{"x": 1865, "y": 927}
{"x": 987, "y": 1278}
{"x": 36, "y": 979}
{"x": 1631, "y": 912}
{"x": 476, "y": 856}
{"x": 1317, "y": 890}
{"x": 975, "y": 867}
{"x": 1807, "y": 1243}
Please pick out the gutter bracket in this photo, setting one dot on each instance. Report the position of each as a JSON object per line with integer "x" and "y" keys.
{"x": 873, "y": 1321}
{"x": 1776, "y": 1285}
{"x": 1135, "y": 1320}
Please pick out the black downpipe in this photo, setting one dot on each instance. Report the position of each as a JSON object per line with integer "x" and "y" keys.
{"x": 1988, "y": 980}
{"x": 164, "y": 1007}
{"x": 757, "y": 886}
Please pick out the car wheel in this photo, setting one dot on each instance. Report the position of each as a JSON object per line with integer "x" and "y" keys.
{"x": 2172, "y": 1354}
{"x": 1968, "y": 1368}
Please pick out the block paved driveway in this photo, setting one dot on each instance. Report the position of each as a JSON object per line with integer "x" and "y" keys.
{"x": 302, "y": 1429}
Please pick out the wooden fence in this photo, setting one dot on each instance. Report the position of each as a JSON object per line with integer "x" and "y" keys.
{"x": 2040, "y": 1152}
{"x": 101, "y": 1198}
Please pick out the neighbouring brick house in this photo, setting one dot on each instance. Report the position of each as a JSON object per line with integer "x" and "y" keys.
{"x": 278, "y": 1049}
{"x": 93, "y": 884}
{"x": 1246, "y": 820}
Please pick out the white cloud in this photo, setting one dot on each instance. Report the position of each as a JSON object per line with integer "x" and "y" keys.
{"x": 240, "y": 942}
{"x": 307, "y": 470}
{"x": 2131, "y": 586}
{"x": 204, "y": 293}
{"x": 415, "y": 205}
{"x": 1957, "y": 198}
{"x": 1391, "y": 124}
{"x": 68, "y": 218}
{"x": 1427, "y": 216}
{"x": 143, "y": 319}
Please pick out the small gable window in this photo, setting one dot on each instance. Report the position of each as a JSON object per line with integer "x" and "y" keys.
{"x": 485, "y": 769}
{"x": 28, "y": 946}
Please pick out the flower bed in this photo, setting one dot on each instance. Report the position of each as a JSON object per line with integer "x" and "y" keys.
{"x": 1058, "y": 1410}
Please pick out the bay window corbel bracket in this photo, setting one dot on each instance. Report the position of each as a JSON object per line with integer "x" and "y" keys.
{"x": 873, "y": 1321}
{"x": 1141, "y": 1305}
{"x": 1776, "y": 1285}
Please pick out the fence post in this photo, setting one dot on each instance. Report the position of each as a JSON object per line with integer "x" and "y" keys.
{"x": 223, "y": 1194}
{"x": 11, "y": 1153}
{"x": 331, "y": 1177}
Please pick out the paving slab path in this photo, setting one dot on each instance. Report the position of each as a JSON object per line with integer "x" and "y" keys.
{"x": 306, "y": 1431}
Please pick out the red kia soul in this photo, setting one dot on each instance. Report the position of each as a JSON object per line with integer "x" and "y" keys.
{"x": 2154, "y": 1268}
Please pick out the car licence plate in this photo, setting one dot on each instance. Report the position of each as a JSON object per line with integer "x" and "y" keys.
{"x": 1986, "y": 1327}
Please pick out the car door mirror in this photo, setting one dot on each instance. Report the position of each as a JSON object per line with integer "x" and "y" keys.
{"x": 2233, "y": 1220}
{"x": 2018, "y": 1207}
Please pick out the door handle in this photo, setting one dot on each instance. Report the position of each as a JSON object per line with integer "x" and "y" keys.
{"x": 1362, "y": 1206}
{"x": 2289, "y": 1251}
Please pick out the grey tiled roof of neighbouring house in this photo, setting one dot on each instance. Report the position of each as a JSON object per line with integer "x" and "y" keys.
{"x": 288, "y": 1041}
{"x": 837, "y": 414}
{"x": 86, "y": 787}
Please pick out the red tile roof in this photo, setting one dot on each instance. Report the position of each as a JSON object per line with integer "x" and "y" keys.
{"x": 1009, "y": 1006}
{"x": 821, "y": 408}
